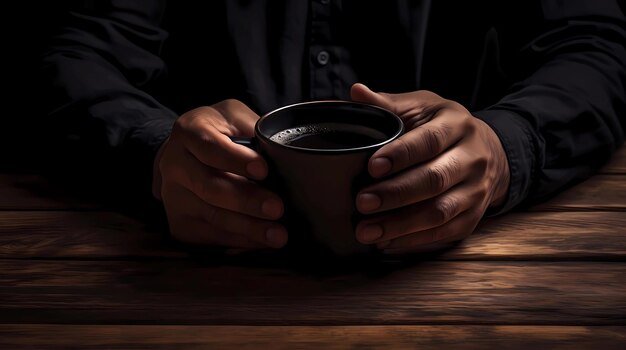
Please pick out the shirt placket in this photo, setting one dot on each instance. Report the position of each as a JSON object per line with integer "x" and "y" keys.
{"x": 321, "y": 51}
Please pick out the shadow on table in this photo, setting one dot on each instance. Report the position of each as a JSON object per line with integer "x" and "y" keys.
{"x": 70, "y": 187}
{"x": 315, "y": 262}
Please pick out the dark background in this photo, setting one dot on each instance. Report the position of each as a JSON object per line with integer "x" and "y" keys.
{"x": 26, "y": 27}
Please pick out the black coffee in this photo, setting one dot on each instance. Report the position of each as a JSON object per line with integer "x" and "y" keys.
{"x": 329, "y": 136}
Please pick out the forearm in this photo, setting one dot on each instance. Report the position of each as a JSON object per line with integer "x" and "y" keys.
{"x": 562, "y": 122}
{"x": 97, "y": 71}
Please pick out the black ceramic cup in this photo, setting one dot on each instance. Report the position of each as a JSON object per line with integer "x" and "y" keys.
{"x": 317, "y": 154}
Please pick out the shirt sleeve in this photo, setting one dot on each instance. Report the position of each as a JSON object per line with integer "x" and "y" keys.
{"x": 97, "y": 73}
{"x": 566, "y": 113}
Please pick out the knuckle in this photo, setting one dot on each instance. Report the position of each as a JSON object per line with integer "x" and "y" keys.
{"x": 428, "y": 95}
{"x": 434, "y": 140}
{"x": 445, "y": 209}
{"x": 189, "y": 118}
{"x": 397, "y": 193}
{"x": 453, "y": 167}
{"x": 480, "y": 190}
{"x": 480, "y": 163}
{"x": 479, "y": 193}
{"x": 229, "y": 104}
{"x": 468, "y": 120}
{"x": 483, "y": 189}
{"x": 436, "y": 179}
{"x": 451, "y": 104}
{"x": 403, "y": 151}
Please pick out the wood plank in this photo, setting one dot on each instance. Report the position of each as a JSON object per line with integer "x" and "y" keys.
{"x": 617, "y": 164}
{"x": 61, "y": 234}
{"x": 546, "y": 236}
{"x": 516, "y": 236}
{"x": 175, "y": 292}
{"x": 601, "y": 192}
{"x": 302, "y": 337}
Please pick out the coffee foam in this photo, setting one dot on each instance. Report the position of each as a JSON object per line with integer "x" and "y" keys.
{"x": 288, "y": 135}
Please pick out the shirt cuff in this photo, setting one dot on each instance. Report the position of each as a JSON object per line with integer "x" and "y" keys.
{"x": 140, "y": 149}
{"x": 516, "y": 136}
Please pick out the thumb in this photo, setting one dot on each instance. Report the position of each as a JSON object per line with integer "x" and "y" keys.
{"x": 363, "y": 94}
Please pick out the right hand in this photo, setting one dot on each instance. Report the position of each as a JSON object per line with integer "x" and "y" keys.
{"x": 202, "y": 177}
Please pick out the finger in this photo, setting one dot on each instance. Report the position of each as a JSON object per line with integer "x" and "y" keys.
{"x": 218, "y": 220}
{"x": 425, "y": 142}
{"x": 225, "y": 190}
{"x": 413, "y": 107}
{"x": 361, "y": 93}
{"x": 456, "y": 229}
{"x": 194, "y": 230}
{"x": 241, "y": 116}
{"x": 209, "y": 142}
{"x": 421, "y": 216}
{"x": 416, "y": 184}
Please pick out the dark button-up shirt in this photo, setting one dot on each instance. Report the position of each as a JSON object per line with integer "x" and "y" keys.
{"x": 548, "y": 76}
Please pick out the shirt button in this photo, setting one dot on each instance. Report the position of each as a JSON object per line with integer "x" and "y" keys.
{"x": 323, "y": 57}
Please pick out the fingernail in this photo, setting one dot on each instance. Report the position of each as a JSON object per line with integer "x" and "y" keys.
{"x": 276, "y": 236}
{"x": 380, "y": 166}
{"x": 256, "y": 169}
{"x": 273, "y": 208}
{"x": 368, "y": 202}
{"x": 370, "y": 233}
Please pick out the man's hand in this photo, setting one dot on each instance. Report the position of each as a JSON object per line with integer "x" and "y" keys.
{"x": 435, "y": 182}
{"x": 202, "y": 177}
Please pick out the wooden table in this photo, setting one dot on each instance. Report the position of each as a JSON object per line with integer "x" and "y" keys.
{"x": 75, "y": 275}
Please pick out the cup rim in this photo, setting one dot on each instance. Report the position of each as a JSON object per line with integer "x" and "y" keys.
{"x": 399, "y": 131}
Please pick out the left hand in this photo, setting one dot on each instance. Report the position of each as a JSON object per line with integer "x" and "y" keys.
{"x": 435, "y": 182}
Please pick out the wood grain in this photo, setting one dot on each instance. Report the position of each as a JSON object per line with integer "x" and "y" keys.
{"x": 517, "y": 236}
{"x": 617, "y": 164}
{"x": 57, "y": 234}
{"x": 600, "y": 192}
{"x": 43, "y": 337}
{"x": 75, "y": 276}
{"x": 547, "y": 236}
{"x": 184, "y": 292}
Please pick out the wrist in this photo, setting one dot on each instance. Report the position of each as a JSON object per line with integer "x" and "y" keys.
{"x": 501, "y": 188}
{"x": 501, "y": 172}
